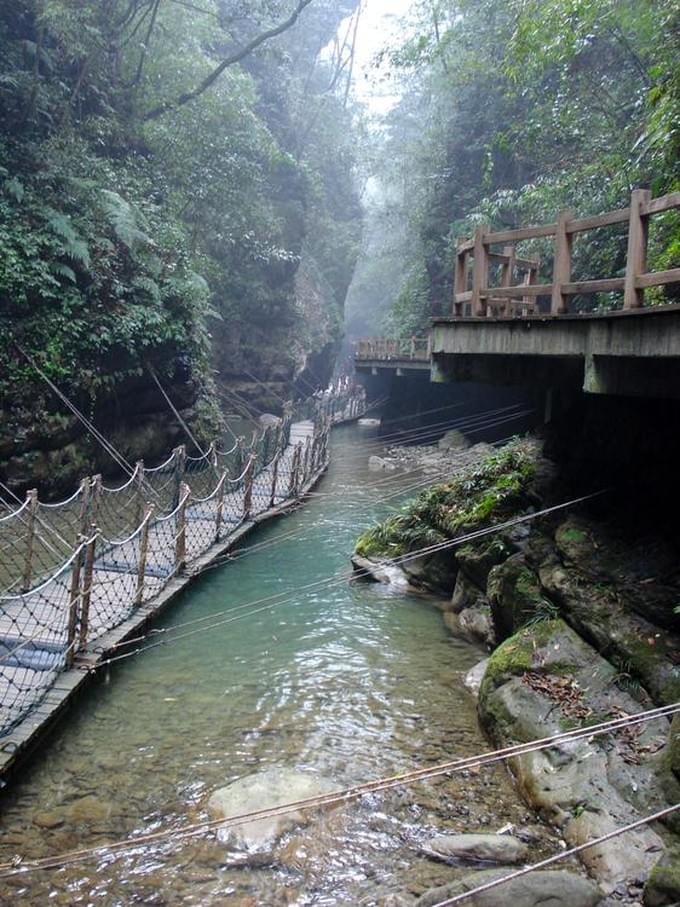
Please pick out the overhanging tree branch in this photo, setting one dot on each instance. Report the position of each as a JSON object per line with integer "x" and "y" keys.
{"x": 241, "y": 54}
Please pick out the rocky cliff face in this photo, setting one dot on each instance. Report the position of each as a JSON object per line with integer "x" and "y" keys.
{"x": 266, "y": 363}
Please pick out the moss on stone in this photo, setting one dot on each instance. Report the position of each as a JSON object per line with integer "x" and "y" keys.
{"x": 516, "y": 596}
{"x": 650, "y": 663}
{"x": 674, "y": 746}
{"x": 663, "y": 885}
{"x": 492, "y": 491}
{"x": 574, "y": 535}
{"x": 516, "y": 655}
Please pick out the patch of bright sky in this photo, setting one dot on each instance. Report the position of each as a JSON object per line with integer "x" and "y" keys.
{"x": 383, "y": 24}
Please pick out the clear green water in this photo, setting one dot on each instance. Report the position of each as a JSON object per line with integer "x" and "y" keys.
{"x": 349, "y": 681}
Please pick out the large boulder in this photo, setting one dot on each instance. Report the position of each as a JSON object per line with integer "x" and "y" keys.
{"x": 453, "y": 440}
{"x": 476, "y": 559}
{"x": 674, "y": 746}
{"x": 470, "y": 614}
{"x": 475, "y": 624}
{"x": 473, "y": 679}
{"x": 435, "y": 572}
{"x": 268, "y": 788}
{"x": 515, "y": 594}
{"x": 475, "y": 848}
{"x": 545, "y": 679}
{"x": 558, "y": 888}
{"x": 598, "y": 613}
{"x": 380, "y": 570}
{"x": 465, "y": 594}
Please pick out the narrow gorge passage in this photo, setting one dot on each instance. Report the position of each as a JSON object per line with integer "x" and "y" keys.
{"x": 350, "y": 683}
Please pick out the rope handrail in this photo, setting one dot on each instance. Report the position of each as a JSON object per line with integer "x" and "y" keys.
{"x": 150, "y": 469}
{"x": 119, "y": 488}
{"x": 64, "y": 503}
{"x": 14, "y": 513}
{"x": 204, "y": 456}
{"x": 243, "y": 474}
{"x": 173, "y": 513}
{"x": 226, "y": 453}
{"x": 118, "y": 543}
{"x": 103, "y": 579}
{"x": 215, "y": 491}
{"x": 65, "y": 566}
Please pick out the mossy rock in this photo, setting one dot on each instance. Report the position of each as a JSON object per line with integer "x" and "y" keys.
{"x": 491, "y": 492}
{"x": 647, "y": 656}
{"x": 477, "y": 559}
{"x": 516, "y": 596}
{"x": 574, "y": 541}
{"x": 465, "y": 594}
{"x": 674, "y": 746}
{"x": 435, "y": 572}
{"x": 635, "y": 646}
{"x": 519, "y": 654}
{"x": 663, "y": 885}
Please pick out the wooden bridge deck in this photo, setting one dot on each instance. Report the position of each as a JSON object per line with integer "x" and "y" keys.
{"x": 33, "y": 630}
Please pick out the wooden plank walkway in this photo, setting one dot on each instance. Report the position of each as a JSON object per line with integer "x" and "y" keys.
{"x": 33, "y": 648}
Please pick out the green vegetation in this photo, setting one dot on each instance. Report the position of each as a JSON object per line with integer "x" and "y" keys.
{"x": 165, "y": 167}
{"x": 516, "y": 655}
{"x": 513, "y": 110}
{"x": 488, "y": 494}
{"x": 663, "y": 884}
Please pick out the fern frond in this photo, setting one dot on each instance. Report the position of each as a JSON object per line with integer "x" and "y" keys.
{"x": 63, "y": 271}
{"x": 61, "y": 225}
{"x": 148, "y": 286}
{"x": 125, "y": 220}
{"x": 78, "y": 251}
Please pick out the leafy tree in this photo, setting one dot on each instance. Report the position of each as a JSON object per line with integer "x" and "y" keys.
{"x": 514, "y": 110}
{"x": 161, "y": 181}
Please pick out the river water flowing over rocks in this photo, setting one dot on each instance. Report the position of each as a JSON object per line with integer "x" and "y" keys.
{"x": 342, "y": 683}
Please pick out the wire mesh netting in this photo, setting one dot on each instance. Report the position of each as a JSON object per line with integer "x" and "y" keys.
{"x": 72, "y": 571}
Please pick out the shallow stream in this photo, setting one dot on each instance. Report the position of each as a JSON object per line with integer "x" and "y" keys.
{"x": 345, "y": 680}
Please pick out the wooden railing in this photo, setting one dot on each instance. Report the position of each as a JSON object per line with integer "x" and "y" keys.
{"x": 410, "y": 348}
{"x": 473, "y": 295}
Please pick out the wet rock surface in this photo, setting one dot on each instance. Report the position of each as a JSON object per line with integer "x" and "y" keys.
{"x": 477, "y": 848}
{"x": 547, "y": 678}
{"x": 452, "y": 452}
{"x": 585, "y": 615}
{"x": 558, "y": 888}
{"x": 264, "y": 790}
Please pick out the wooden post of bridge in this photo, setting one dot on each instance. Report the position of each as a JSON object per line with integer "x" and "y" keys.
{"x": 561, "y": 265}
{"x": 219, "y": 512}
{"x": 143, "y": 554}
{"x": 85, "y": 508}
{"x": 480, "y": 274}
{"x": 275, "y": 476}
{"x": 93, "y": 514}
{"x": 305, "y": 465}
{"x": 32, "y": 499}
{"x": 636, "y": 262}
{"x": 179, "y": 473}
{"x": 248, "y": 492}
{"x": 139, "y": 492}
{"x": 295, "y": 471}
{"x": 507, "y": 272}
{"x": 74, "y": 604}
{"x": 86, "y": 596}
{"x": 459, "y": 279}
{"x": 181, "y": 541}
